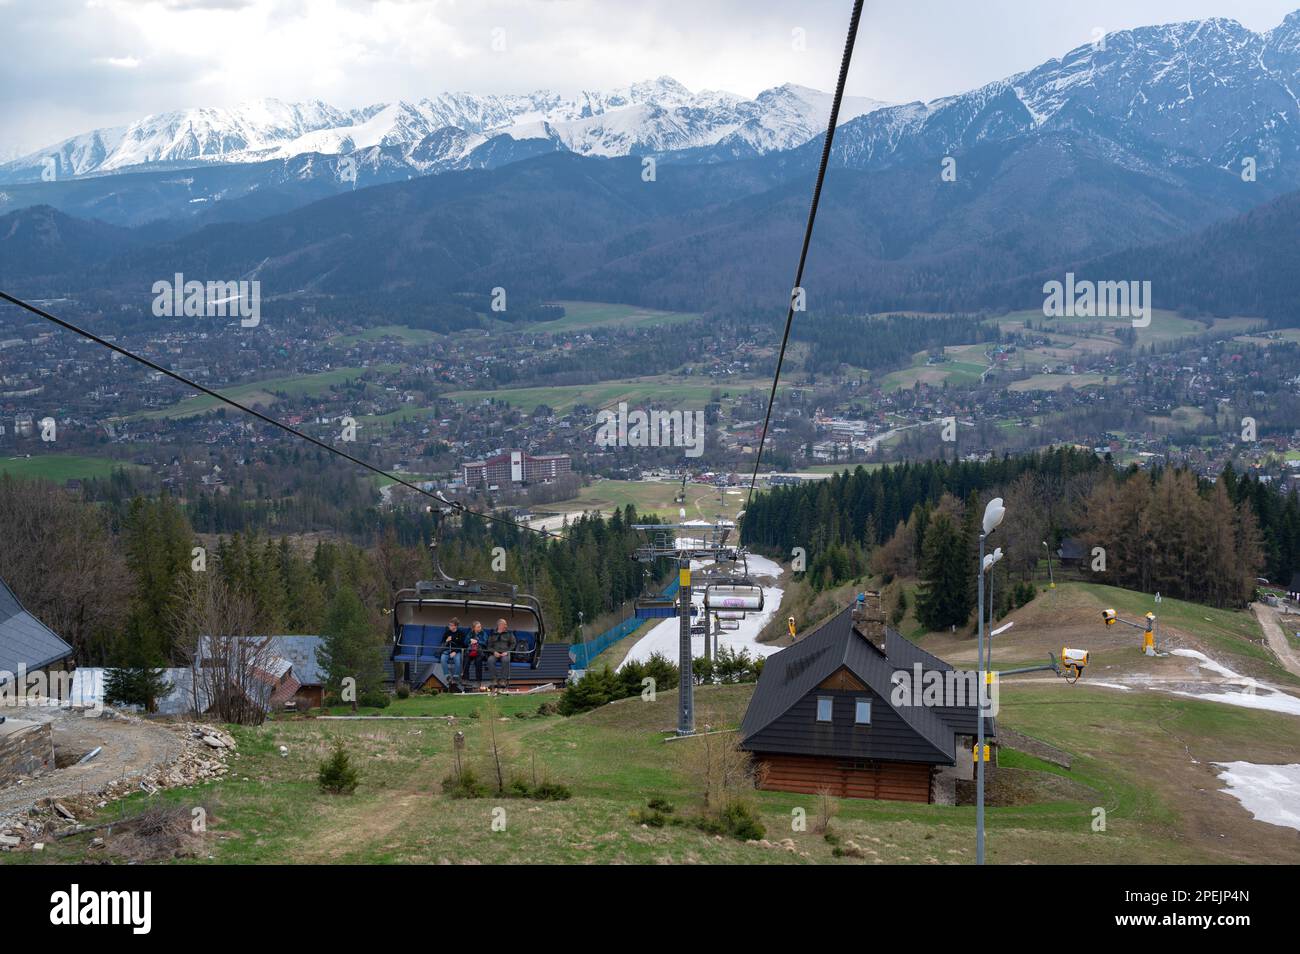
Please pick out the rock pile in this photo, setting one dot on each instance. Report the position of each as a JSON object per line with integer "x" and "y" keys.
{"x": 203, "y": 754}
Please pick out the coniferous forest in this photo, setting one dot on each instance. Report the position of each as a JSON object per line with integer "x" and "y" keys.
{"x": 1158, "y": 531}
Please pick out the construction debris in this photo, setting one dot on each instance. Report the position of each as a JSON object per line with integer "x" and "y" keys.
{"x": 203, "y": 753}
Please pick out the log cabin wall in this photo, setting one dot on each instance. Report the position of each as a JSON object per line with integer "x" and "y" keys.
{"x": 845, "y": 778}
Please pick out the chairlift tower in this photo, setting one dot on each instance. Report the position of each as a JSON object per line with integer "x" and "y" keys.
{"x": 682, "y": 543}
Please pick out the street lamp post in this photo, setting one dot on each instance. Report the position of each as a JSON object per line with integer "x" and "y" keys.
{"x": 990, "y": 562}
{"x": 993, "y": 515}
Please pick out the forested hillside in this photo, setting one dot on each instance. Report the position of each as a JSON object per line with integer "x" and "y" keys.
{"x": 1161, "y": 530}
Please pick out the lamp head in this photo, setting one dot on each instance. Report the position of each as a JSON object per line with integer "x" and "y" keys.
{"x": 993, "y": 514}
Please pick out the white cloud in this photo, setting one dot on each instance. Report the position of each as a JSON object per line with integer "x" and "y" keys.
{"x": 64, "y": 69}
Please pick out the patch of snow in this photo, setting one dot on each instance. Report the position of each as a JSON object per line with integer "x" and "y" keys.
{"x": 1271, "y": 793}
{"x": 1208, "y": 663}
{"x": 1271, "y": 701}
{"x": 665, "y": 636}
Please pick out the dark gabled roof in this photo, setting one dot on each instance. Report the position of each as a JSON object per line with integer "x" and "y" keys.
{"x": 790, "y": 675}
{"x": 904, "y": 654}
{"x": 25, "y": 640}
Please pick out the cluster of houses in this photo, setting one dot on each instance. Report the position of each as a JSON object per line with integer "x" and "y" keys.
{"x": 284, "y": 672}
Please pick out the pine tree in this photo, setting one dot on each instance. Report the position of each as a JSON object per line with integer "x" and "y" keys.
{"x": 136, "y": 676}
{"x": 336, "y": 774}
{"x": 942, "y": 598}
{"x": 350, "y": 649}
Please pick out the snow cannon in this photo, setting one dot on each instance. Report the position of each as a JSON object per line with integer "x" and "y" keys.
{"x": 1074, "y": 661}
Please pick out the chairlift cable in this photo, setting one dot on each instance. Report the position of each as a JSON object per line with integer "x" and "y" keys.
{"x": 849, "y": 43}
{"x": 90, "y": 336}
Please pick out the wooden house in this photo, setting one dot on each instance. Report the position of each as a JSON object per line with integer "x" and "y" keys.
{"x": 843, "y": 710}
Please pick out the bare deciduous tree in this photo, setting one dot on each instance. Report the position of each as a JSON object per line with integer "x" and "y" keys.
{"x": 719, "y": 769}
{"x": 59, "y": 558}
{"x": 232, "y": 669}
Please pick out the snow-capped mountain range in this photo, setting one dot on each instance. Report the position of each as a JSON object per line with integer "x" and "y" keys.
{"x": 1209, "y": 91}
{"x": 652, "y": 117}
{"x": 1202, "y": 105}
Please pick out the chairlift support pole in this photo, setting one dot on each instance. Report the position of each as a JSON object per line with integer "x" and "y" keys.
{"x": 686, "y": 678}
{"x": 683, "y": 542}
{"x": 979, "y": 719}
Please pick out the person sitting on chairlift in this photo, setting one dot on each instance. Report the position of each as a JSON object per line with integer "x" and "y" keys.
{"x": 501, "y": 645}
{"x": 474, "y": 654}
{"x": 453, "y": 645}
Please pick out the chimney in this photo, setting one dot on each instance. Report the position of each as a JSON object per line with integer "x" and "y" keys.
{"x": 869, "y": 618}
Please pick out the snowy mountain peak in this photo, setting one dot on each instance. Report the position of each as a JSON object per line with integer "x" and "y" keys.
{"x": 1209, "y": 89}
{"x": 658, "y": 115}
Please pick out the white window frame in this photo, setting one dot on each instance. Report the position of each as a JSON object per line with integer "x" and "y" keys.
{"x": 857, "y": 710}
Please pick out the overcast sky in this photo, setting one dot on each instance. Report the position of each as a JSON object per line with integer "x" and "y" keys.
{"x": 72, "y": 65}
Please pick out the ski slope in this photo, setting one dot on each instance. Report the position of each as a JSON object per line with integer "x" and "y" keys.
{"x": 663, "y": 638}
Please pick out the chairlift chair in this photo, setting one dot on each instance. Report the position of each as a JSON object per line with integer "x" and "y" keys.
{"x": 742, "y": 595}
{"x": 421, "y": 614}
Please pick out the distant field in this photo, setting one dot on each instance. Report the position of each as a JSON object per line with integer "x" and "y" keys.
{"x": 1284, "y": 335}
{"x": 1181, "y": 417}
{"x": 638, "y": 392}
{"x": 1055, "y": 382}
{"x": 62, "y": 467}
{"x": 1165, "y": 325}
{"x": 408, "y": 412}
{"x": 264, "y": 392}
{"x": 966, "y": 365}
{"x": 652, "y": 497}
{"x": 593, "y": 314}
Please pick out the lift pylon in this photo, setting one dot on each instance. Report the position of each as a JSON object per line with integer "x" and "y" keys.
{"x": 683, "y": 542}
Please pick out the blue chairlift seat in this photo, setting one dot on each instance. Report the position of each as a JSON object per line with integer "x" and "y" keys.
{"x": 659, "y": 609}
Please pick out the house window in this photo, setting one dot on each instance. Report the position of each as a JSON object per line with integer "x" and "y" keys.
{"x": 824, "y": 704}
{"x": 862, "y": 712}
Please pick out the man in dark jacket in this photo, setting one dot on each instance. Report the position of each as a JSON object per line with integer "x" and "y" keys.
{"x": 453, "y": 645}
{"x": 500, "y": 646}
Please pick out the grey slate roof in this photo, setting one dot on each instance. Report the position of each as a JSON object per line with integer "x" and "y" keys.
{"x": 286, "y": 652}
{"x": 300, "y": 651}
{"x": 25, "y": 640}
{"x": 781, "y": 714}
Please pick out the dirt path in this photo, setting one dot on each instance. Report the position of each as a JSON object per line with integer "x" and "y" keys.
{"x": 129, "y": 748}
{"x": 364, "y": 826}
{"x": 1277, "y": 640}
